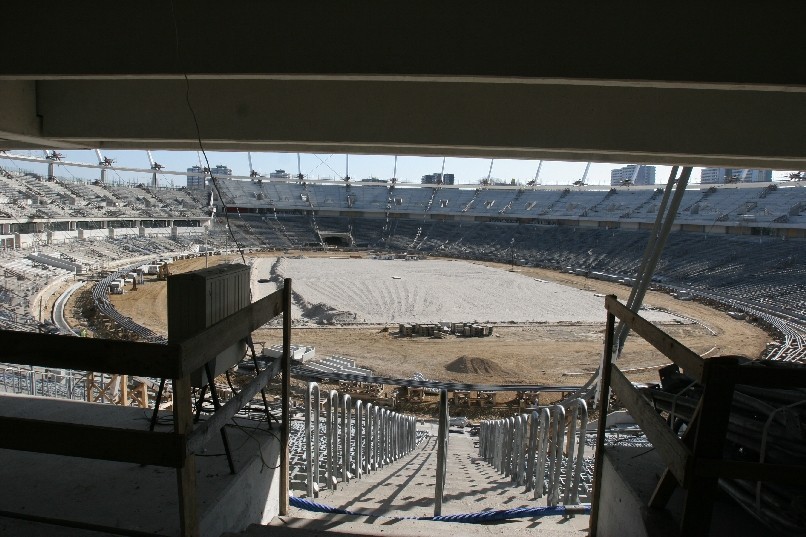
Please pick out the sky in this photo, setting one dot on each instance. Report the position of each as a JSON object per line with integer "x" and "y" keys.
{"x": 326, "y": 166}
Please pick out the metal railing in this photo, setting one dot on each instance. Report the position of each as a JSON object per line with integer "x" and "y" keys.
{"x": 358, "y": 438}
{"x": 542, "y": 451}
{"x": 61, "y": 383}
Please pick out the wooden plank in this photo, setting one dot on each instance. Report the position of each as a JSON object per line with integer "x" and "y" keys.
{"x": 186, "y": 475}
{"x": 91, "y": 441}
{"x": 206, "y": 430}
{"x": 89, "y": 354}
{"x": 668, "y": 483}
{"x": 604, "y": 401}
{"x": 792, "y": 474}
{"x": 285, "y": 438}
{"x": 709, "y": 440}
{"x": 671, "y": 449}
{"x": 199, "y": 349}
{"x": 689, "y": 360}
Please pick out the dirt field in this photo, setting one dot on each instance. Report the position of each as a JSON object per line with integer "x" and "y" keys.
{"x": 556, "y": 353}
{"x": 398, "y": 291}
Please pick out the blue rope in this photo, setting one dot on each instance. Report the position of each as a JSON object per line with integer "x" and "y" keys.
{"x": 471, "y": 518}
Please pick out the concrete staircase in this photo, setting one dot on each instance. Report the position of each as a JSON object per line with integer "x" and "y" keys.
{"x": 405, "y": 488}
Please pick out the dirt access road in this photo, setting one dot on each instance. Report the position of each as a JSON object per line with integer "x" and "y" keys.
{"x": 563, "y": 353}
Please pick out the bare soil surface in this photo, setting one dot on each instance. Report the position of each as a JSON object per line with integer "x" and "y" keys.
{"x": 562, "y": 353}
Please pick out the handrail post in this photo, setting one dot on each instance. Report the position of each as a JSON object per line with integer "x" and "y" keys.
{"x": 369, "y": 431}
{"x": 346, "y": 440}
{"x": 581, "y": 418}
{"x": 530, "y": 461}
{"x": 359, "y": 437}
{"x": 442, "y": 451}
{"x": 558, "y": 439}
{"x": 332, "y": 437}
{"x": 542, "y": 452}
{"x": 285, "y": 437}
{"x": 312, "y": 438}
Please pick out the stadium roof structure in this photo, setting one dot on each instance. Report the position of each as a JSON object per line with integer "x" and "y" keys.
{"x": 463, "y": 79}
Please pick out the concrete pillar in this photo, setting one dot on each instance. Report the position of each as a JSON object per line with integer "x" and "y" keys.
{"x": 111, "y": 233}
{"x": 142, "y": 231}
{"x": 174, "y": 232}
{"x": 49, "y": 237}
{"x": 80, "y": 234}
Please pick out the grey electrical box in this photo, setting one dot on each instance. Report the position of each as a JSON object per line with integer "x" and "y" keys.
{"x": 199, "y": 299}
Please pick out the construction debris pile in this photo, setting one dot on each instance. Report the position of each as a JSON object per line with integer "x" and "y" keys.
{"x": 439, "y": 330}
{"x": 765, "y": 425}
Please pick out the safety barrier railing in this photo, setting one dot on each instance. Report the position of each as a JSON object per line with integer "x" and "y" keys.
{"x": 65, "y": 384}
{"x": 542, "y": 451}
{"x": 358, "y": 438}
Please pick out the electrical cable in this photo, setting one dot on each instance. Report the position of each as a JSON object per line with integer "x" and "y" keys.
{"x": 213, "y": 180}
{"x": 264, "y": 464}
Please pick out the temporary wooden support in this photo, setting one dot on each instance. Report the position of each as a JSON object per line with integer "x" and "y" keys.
{"x": 694, "y": 462}
{"x": 174, "y": 361}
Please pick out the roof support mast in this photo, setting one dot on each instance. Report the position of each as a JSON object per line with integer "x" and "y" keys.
{"x": 394, "y": 172}
{"x": 635, "y": 174}
{"x": 154, "y": 166}
{"x": 52, "y": 158}
{"x": 104, "y": 163}
{"x": 585, "y": 175}
{"x": 252, "y": 172}
{"x": 669, "y": 205}
{"x": 300, "y": 177}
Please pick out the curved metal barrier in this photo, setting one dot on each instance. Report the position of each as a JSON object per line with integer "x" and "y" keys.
{"x": 358, "y": 438}
{"x": 542, "y": 451}
{"x": 100, "y": 295}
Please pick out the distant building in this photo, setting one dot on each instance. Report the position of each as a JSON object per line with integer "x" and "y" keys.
{"x": 717, "y": 176}
{"x": 280, "y": 174}
{"x": 437, "y": 179}
{"x": 220, "y": 170}
{"x": 195, "y": 177}
{"x": 646, "y": 175}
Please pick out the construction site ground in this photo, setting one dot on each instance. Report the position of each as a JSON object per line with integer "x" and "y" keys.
{"x": 539, "y": 353}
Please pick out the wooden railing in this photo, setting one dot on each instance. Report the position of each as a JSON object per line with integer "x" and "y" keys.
{"x": 694, "y": 462}
{"x": 175, "y": 361}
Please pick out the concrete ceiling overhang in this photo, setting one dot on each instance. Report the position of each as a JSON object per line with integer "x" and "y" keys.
{"x": 622, "y": 82}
